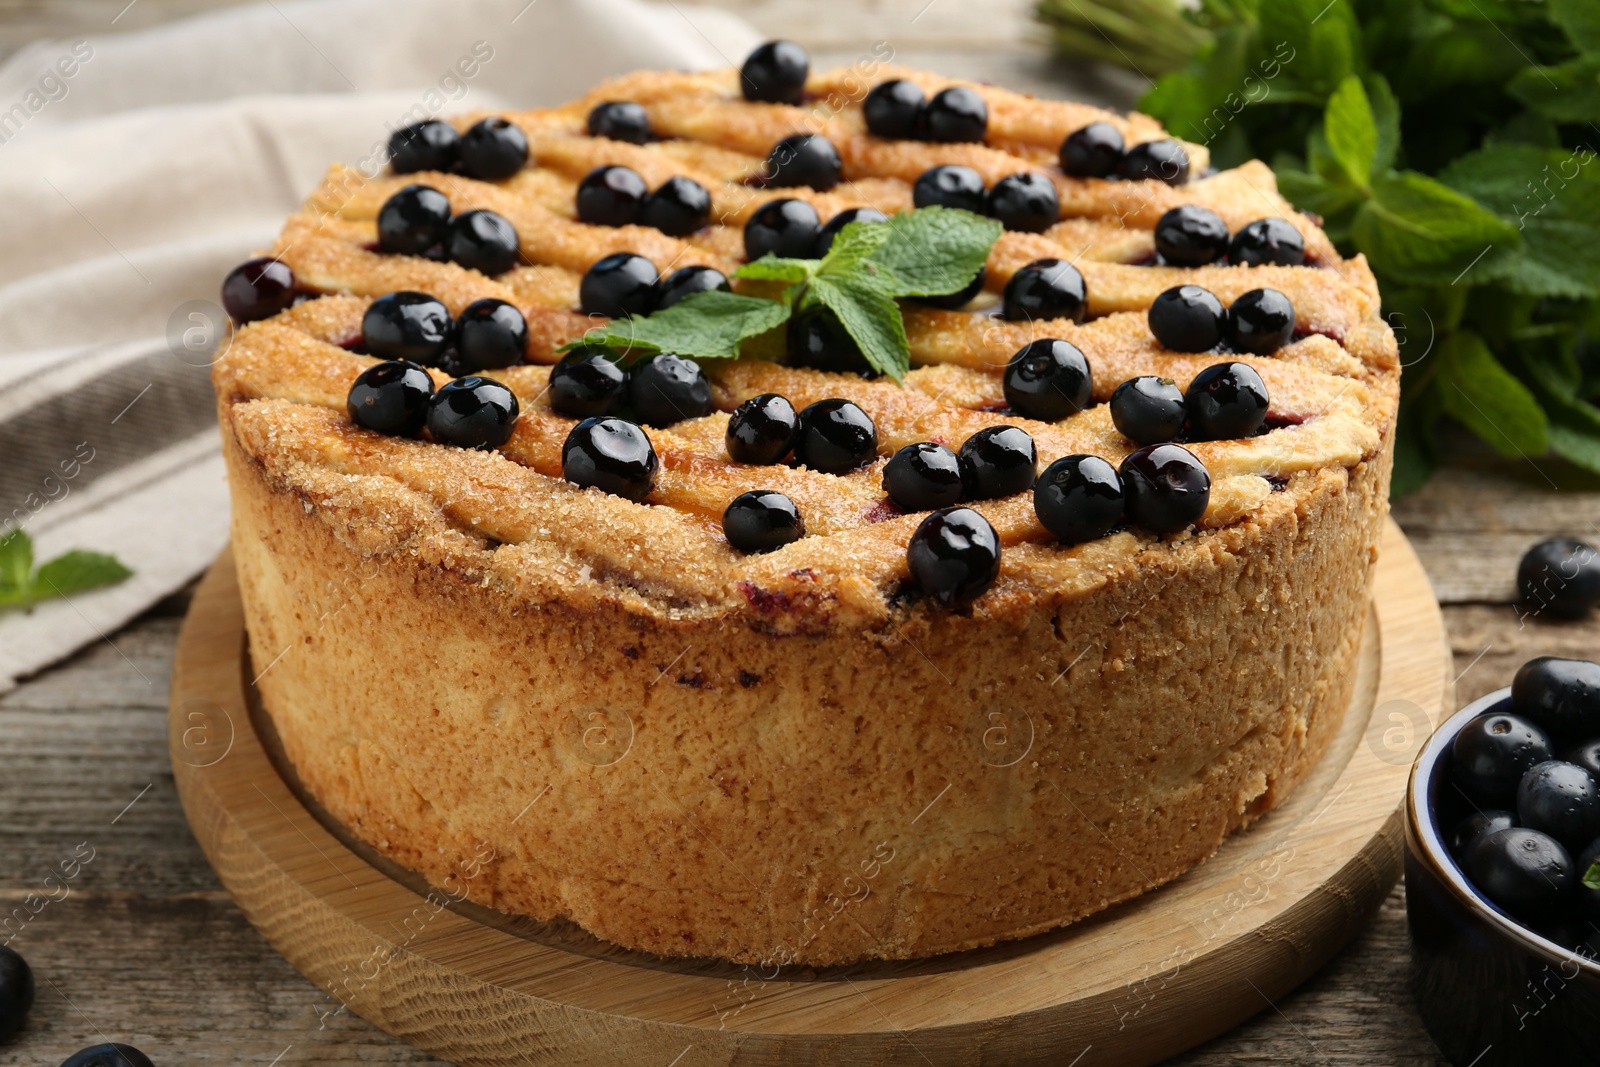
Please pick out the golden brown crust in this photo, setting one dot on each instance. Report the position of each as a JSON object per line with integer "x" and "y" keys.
{"x": 449, "y": 631}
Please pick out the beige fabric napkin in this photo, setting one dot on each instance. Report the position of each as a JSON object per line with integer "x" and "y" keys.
{"x": 136, "y": 169}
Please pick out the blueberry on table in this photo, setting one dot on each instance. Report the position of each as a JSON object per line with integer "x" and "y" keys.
{"x": 472, "y": 412}
{"x": 839, "y": 222}
{"x": 1165, "y": 488}
{"x": 775, "y": 73}
{"x": 16, "y": 991}
{"x": 391, "y": 398}
{"x": 787, "y": 228}
{"x": 428, "y": 145}
{"x": 1560, "y": 696}
{"x": 258, "y": 289}
{"x": 1269, "y": 242}
{"x": 922, "y": 477}
{"x": 1095, "y": 151}
{"x": 835, "y": 436}
{"x": 1562, "y": 800}
{"x": 950, "y": 185}
{"x": 686, "y": 281}
{"x": 1225, "y": 402}
{"x": 619, "y": 285}
{"x": 1260, "y": 322}
{"x": 1025, "y": 202}
{"x": 1048, "y": 379}
{"x": 1187, "y": 318}
{"x": 407, "y": 325}
{"x": 1479, "y": 824}
{"x": 1191, "y": 236}
{"x": 611, "y": 196}
{"x": 413, "y": 221}
{"x": 620, "y": 120}
{"x": 678, "y": 207}
{"x": 1161, "y": 161}
{"x": 588, "y": 381}
{"x": 1078, "y": 498}
{"x": 954, "y": 556}
{"x": 762, "y": 430}
{"x": 1561, "y": 576}
{"x": 482, "y": 241}
{"x": 804, "y": 159}
{"x": 490, "y": 334}
{"x": 894, "y": 108}
{"x": 612, "y": 455}
{"x": 667, "y": 388}
{"x": 110, "y": 1055}
{"x": 762, "y": 521}
{"x": 955, "y": 115}
{"x": 1524, "y": 872}
{"x": 1148, "y": 410}
{"x": 1491, "y": 754}
{"x": 998, "y": 461}
{"x": 1046, "y": 289}
{"x": 493, "y": 149}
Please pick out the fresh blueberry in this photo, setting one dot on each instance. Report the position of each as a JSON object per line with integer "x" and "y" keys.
{"x": 619, "y": 285}
{"x": 620, "y": 120}
{"x": 1148, "y": 410}
{"x": 950, "y": 185}
{"x": 839, "y": 222}
{"x": 1166, "y": 488}
{"x": 817, "y": 339}
{"x": 998, "y": 461}
{"x": 1048, "y": 379}
{"x": 1191, "y": 236}
{"x": 1092, "y": 152}
{"x": 258, "y": 289}
{"x": 1046, "y": 289}
{"x": 490, "y": 334}
{"x": 954, "y": 556}
{"x": 775, "y": 73}
{"x": 428, "y": 145}
{"x": 109, "y": 1055}
{"x": 472, "y": 412}
{"x": 762, "y": 521}
{"x": 1187, "y": 318}
{"x": 1269, "y": 242}
{"x": 413, "y": 221}
{"x": 1226, "y": 401}
{"x": 686, "y": 281}
{"x": 1491, "y": 754}
{"x": 1587, "y": 756}
{"x": 1560, "y": 696}
{"x": 786, "y": 228}
{"x": 1161, "y": 161}
{"x": 1025, "y": 202}
{"x": 1562, "y": 800}
{"x": 493, "y": 149}
{"x": 16, "y": 991}
{"x": 612, "y": 455}
{"x": 1078, "y": 498}
{"x": 667, "y": 388}
{"x": 955, "y": 114}
{"x": 611, "y": 196}
{"x": 678, "y": 208}
{"x": 1562, "y": 576}
{"x": 588, "y": 381}
{"x": 894, "y": 108}
{"x": 482, "y": 241}
{"x": 1525, "y": 872}
{"x": 1470, "y": 830}
{"x": 803, "y": 159}
{"x": 1260, "y": 322}
{"x": 922, "y": 477}
{"x": 407, "y": 325}
{"x": 835, "y": 436}
{"x": 762, "y": 430}
{"x": 961, "y": 297}
{"x": 391, "y": 398}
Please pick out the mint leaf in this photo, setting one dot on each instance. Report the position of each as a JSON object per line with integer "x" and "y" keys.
{"x": 1422, "y": 230}
{"x": 1574, "y": 422}
{"x": 771, "y": 268}
{"x": 1386, "y": 117}
{"x": 76, "y": 571}
{"x": 1483, "y": 396}
{"x": 16, "y": 560}
{"x": 853, "y": 246}
{"x": 1580, "y": 19}
{"x": 1321, "y": 40}
{"x": 870, "y": 316}
{"x": 1591, "y": 877}
{"x": 1352, "y": 131}
{"x": 934, "y": 250}
{"x": 707, "y": 325}
{"x": 1567, "y": 92}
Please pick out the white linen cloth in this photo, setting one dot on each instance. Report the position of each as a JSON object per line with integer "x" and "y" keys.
{"x": 137, "y": 169}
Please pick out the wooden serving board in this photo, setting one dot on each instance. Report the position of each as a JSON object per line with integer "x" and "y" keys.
{"x": 1140, "y": 982}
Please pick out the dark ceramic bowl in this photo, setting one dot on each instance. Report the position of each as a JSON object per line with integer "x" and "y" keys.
{"x": 1492, "y": 991}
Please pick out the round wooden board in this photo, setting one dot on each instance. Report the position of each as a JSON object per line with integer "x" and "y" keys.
{"x": 1140, "y": 982}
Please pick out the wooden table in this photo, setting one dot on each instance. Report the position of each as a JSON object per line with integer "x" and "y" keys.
{"x": 146, "y": 947}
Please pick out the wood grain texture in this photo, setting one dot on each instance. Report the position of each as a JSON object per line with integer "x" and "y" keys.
{"x": 1143, "y": 981}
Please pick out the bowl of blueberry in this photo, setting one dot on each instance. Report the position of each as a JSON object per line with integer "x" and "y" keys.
{"x": 1503, "y": 872}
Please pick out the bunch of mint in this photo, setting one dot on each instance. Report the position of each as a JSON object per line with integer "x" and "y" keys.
{"x": 1450, "y": 141}
{"x": 23, "y": 585}
{"x": 932, "y": 251}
